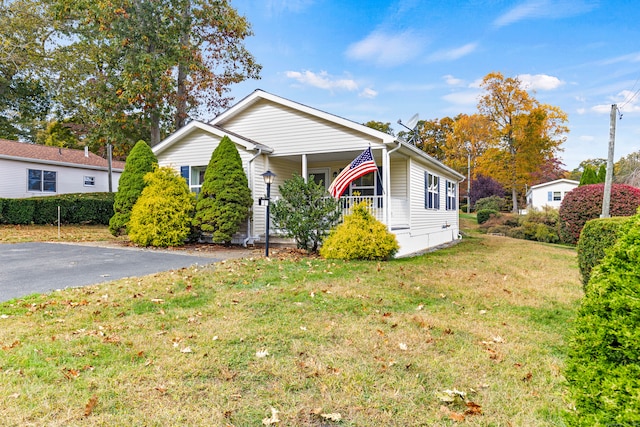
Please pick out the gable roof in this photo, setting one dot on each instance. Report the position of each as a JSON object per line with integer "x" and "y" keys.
{"x": 557, "y": 181}
{"x": 260, "y": 94}
{"x": 36, "y": 153}
{"x": 218, "y": 131}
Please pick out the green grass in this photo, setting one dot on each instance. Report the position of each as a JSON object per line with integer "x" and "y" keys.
{"x": 377, "y": 343}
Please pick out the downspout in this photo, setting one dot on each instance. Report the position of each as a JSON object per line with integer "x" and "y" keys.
{"x": 387, "y": 182}
{"x": 250, "y": 167}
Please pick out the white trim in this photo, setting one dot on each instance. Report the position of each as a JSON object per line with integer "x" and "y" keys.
{"x": 326, "y": 171}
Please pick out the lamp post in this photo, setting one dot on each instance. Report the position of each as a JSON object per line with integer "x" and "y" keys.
{"x": 268, "y": 180}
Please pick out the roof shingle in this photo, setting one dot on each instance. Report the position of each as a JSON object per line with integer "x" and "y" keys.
{"x": 24, "y": 150}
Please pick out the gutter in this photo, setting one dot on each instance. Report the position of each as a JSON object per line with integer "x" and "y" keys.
{"x": 249, "y": 237}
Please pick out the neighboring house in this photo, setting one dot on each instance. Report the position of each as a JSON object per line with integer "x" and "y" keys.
{"x": 28, "y": 170}
{"x": 549, "y": 193}
{"x": 415, "y": 195}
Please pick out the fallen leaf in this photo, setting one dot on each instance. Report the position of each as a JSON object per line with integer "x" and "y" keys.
{"x": 528, "y": 377}
{"x": 273, "y": 419}
{"x": 473, "y": 409}
{"x": 186, "y": 350}
{"x": 456, "y": 416}
{"x": 403, "y": 346}
{"x": 333, "y": 416}
{"x": 91, "y": 404}
{"x": 262, "y": 353}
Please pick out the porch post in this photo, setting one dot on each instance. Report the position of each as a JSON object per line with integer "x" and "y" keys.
{"x": 386, "y": 198}
{"x": 304, "y": 167}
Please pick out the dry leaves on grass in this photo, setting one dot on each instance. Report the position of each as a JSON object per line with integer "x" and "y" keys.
{"x": 273, "y": 419}
{"x": 91, "y": 404}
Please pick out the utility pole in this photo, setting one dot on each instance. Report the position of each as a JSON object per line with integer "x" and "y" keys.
{"x": 468, "y": 146}
{"x": 606, "y": 198}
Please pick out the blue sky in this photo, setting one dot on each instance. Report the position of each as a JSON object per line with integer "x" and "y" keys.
{"x": 387, "y": 60}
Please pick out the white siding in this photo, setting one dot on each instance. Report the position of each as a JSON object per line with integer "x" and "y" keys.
{"x": 13, "y": 179}
{"x": 290, "y": 131}
{"x": 539, "y": 195}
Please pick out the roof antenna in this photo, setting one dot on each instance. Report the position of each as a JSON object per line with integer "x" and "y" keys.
{"x": 412, "y": 126}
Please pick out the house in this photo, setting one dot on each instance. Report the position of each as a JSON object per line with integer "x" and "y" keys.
{"x": 28, "y": 170}
{"x": 413, "y": 194}
{"x": 549, "y": 193}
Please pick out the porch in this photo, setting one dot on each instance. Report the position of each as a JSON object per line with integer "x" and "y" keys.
{"x": 398, "y": 214}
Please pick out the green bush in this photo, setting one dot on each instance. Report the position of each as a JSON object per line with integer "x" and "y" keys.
{"x": 18, "y": 211}
{"x": 495, "y": 203}
{"x": 140, "y": 161}
{"x": 162, "y": 216}
{"x": 225, "y": 197}
{"x": 483, "y": 215}
{"x": 361, "y": 236}
{"x": 603, "y": 369}
{"x": 596, "y": 237}
{"x": 305, "y": 212}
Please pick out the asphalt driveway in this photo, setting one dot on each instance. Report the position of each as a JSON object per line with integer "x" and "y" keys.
{"x": 27, "y": 268}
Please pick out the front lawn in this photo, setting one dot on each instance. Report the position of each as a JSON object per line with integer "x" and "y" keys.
{"x": 471, "y": 335}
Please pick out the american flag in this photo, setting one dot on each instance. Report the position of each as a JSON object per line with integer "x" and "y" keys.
{"x": 361, "y": 165}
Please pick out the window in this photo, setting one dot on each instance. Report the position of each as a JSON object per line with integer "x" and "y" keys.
{"x": 451, "y": 195}
{"x": 364, "y": 186}
{"x": 39, "y": 180}
{"x": 431, "y": 191}
{"x": 557, "y": 196}
{"x": 89, "y": 181}
{"x": 197, "y": 178}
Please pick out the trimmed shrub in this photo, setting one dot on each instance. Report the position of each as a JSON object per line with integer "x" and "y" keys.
{"x": 361, "y": 236}
{"x": 18, "y": 211}
{"x": 602, "y": 369}
{"x": 585, "y": 203}
{"x": 597, "y": 236}
{"x": 162, "y": 216}
{"x": 225, "y": 197}
{"x": 140, "y": 161}
{"x": 305, "y": 212}
{"x": 495, "y": 203}
{"x": 483, "y": 215}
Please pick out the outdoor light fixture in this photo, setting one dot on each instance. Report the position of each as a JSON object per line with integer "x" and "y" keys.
{"x": 268, "y": 177}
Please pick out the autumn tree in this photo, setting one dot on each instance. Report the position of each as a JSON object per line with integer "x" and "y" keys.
{"x": 432, "y": 136}
{"x": 381, "y": 126}
{"x": 576, "y": 173}
{"x": 627, "y": 170}
{"x": 467, "y": 142}
{"x": 526, "y": 133}
{"x": 24, "y": 98}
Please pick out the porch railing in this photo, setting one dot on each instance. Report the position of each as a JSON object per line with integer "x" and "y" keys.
{"x": 375, "y": 205}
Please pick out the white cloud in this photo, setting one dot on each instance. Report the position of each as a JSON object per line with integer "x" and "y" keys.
{"x": 601, "y": 109}
{"x": 581, "y": 111}
{"x": 453, "y": 81}
{"x": 462, "y": 98}
{"x": 627, "y": 102}
{"x": 537, "y": 9}
{"x": 386, "y": 49}
{"x": 539, "y": 82}
{"x": 368, "y": 93}
{"x": 631, "y": 58}
{"x": 453, "y": 54}
{"x": 322, "y": 80}
{"x": 587, "y": 138}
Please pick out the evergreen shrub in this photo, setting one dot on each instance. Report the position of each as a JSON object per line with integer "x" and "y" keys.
{"x": 602, "y": 368}
{"x": 225, "y": 199}
{"x": 597, "y": 236}
{"x": 483, "y": 215}
{"x": 18, "y": 211}
{"x": 140, "y": 161}
{"x": 585, "y": 202}
{"x": 360, "y": 236}
{"x": 305, "y": 212}
{"x": 162, "y": 216}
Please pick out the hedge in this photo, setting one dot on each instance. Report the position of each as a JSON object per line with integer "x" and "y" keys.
{"x": 78, "y": 208}
{"x": 596, "y": 237}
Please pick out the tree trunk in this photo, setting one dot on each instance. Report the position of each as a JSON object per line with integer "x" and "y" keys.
{"x": 181, "y": 94}
{"x": 155, "y": 128}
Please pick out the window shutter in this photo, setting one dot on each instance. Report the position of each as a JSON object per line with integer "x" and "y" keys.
{"x": 379, "y": 189}
{"x": 550, "y": 196}
{"x": 184, "y": 172}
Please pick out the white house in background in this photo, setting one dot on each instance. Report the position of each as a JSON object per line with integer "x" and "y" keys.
{"x": 549, "y": 193}
{"x": 415, "y": 195}
{"x": 28, "y": 170}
